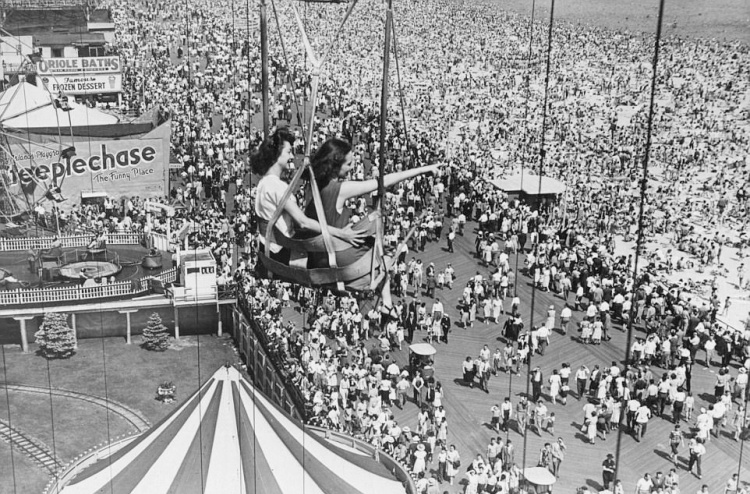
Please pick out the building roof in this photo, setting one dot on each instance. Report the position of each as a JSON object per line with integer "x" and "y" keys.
{"x": 228, "y": 437}
{"x": 69, "y": 39}
{"x": 32, "y": 22}
{"x": 101, "y": 16}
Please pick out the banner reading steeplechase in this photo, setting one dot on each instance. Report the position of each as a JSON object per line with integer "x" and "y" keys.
{"x": 117, "y": 167}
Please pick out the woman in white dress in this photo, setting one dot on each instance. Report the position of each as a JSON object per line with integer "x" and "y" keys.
{"x": 487, "y": 310}
{"x": 419, "y": 459}
{"x": 554, "y": 385}
{"x": 497, "y": 309}
{"x": 596, "y": 335}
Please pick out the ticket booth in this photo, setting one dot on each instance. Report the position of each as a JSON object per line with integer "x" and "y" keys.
{"x": 197, "y": 275}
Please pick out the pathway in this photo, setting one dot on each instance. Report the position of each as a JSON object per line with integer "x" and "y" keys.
{"x": 135, "y": 417}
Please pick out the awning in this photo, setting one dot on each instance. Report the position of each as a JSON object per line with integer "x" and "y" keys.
{"x": 228, "y": 437}
{"x": 530, "y": 184}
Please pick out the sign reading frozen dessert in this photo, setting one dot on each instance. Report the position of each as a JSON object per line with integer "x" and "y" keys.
{"x": 83, "y": 84}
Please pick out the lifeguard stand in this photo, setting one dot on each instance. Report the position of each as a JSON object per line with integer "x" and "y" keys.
{"x": 197, "y": 276}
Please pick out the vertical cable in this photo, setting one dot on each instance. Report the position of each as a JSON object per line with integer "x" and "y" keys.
{"x": 644, "y": 186}
{"x": 49, "y": 372}
{"x": 194, "y": 110}
{"x": 536, "y": 224}
{"x": 519, "y": 248}
{"x": 10, "y": 421}
{"x": 384, "y": 103}
{"x": 524, "y": 144}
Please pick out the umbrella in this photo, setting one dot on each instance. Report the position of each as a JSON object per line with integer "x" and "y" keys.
{"x": 539, "y": 476}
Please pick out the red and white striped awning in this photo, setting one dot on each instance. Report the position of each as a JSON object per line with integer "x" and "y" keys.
{"x": 229, "y": 438}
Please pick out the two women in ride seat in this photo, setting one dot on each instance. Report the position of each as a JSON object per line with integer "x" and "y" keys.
{"x": 330, "y": 165}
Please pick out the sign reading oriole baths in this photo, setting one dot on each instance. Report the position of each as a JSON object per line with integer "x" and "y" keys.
{"x": 132, "y": 167}
{"x": 80, "y": 65}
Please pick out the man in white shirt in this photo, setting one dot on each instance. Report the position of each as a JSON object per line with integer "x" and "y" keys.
{"x": 565, "y": 315}
{"x": 697, "y": 450}
{"x": 641, "y": 420}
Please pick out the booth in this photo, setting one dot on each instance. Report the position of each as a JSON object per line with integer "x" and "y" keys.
{"x": 197, "y": 276}
{"x": 534, "y": 190}
{"x": 422, "y": 358}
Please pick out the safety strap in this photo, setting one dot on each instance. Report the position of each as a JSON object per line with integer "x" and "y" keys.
{"x": 280, "y": 208}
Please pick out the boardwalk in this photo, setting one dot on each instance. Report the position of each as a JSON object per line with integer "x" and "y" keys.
{"x": 468, "y": 409}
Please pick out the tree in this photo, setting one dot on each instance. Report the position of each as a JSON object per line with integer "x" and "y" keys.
{"x": 55, "y": 338}
{"x": 155, "y": 335}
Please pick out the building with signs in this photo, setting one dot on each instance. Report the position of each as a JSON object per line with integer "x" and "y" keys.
{"x": 93, "y": 78}
{"x": 67, "y": 30}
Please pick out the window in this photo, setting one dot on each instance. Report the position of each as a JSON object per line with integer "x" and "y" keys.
{"x": 57, "y": 52}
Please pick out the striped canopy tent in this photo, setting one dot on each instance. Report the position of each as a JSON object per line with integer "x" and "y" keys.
{"x": 229, "y": 438}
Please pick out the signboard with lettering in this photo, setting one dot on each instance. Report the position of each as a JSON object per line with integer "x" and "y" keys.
{"x": 131, "y": 167}
{"x": 82, "y": 83}
{"x": 80, "y": 65}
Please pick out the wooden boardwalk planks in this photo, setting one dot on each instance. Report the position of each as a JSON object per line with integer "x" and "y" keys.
{"x": 468, "y": 409}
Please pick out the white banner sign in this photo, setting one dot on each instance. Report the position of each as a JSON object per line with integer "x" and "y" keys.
{"x": 82, "y": 83}
{"x": 80, "y": 65}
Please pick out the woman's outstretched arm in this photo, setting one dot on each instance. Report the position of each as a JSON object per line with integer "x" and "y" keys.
{"x": 354, "y": 188}
{"x": 354, "y": 237}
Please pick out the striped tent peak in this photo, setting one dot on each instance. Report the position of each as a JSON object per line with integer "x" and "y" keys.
{"x": 229, "y": 437}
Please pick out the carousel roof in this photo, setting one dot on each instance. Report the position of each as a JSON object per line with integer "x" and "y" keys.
{"x": 228, "y": 437}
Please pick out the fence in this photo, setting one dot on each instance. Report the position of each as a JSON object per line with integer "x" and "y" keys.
{"x": 42, "y": 4}
{"x": 398, "y": 469}
{"x": 263, "y": 369}
{"x": 74, "y": 293}
{"x": 28, "y": 243}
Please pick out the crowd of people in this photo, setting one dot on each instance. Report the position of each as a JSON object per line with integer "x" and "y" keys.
{"x": 472, "y": 91}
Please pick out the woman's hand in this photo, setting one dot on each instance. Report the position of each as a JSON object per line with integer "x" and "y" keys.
{"x": 434, "y": 169}
{"x": 351, "y": 236}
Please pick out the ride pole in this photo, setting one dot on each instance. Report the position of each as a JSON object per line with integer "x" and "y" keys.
{"x": 264, "y": 65}
{"x": 384, "y": 99}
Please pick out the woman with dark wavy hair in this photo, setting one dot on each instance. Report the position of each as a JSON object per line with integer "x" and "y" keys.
{"x": 330, "y": 165}
{"x": 270, "y": 160}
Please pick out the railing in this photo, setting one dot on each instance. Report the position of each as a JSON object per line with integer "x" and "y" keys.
{"x": 66, "y": 294}
{"x": 42, "y": 4}
{"x": 167, "y": 276}
{"x": 389, "y": 462}
{"x": 72, "y": 293}
{"x": 160, "y": 241}
{"x": 265, "y": 371}
{"x": 28, "y": 243}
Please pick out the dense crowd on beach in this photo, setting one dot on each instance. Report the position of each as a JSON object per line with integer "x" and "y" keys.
{"x": 468, "y": 89}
